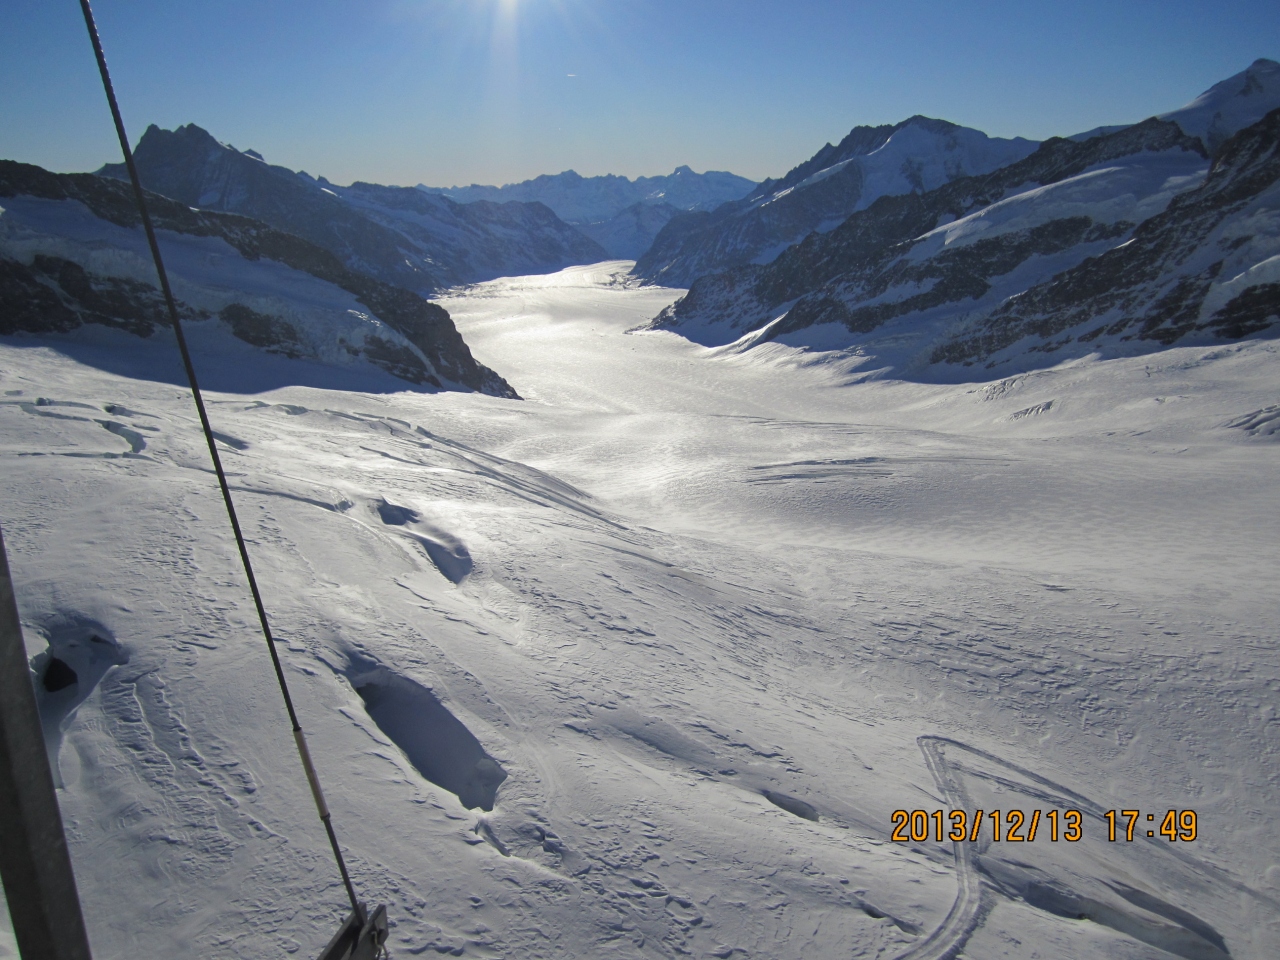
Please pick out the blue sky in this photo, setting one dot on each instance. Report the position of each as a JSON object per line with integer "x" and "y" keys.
{"x": 492, "y": 91}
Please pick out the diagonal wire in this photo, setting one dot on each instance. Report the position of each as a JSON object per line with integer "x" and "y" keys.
{"x": 298, "y": 736}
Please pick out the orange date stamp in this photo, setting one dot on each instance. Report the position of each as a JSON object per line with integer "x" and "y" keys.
{"x": 1023, "y": 826}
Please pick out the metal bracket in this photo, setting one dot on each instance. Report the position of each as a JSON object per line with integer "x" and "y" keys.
{"x": 361, "y": 937}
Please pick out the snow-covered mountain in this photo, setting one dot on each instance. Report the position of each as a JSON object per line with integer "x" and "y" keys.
{"x": 916, "y": 155}
{"x": 628, "y": 234}
{"x": 577, "y": 199}
{"x": 1207, "y": 267}
{"x": 397, "y": 234}
{"x": 72, "y": 253}
{"x": 620, "y": 214}
{"x": 1123, "y": 242}
{"x": 1231, "y": 105}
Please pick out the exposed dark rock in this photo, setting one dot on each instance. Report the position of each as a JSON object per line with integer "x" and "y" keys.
{"x": 398, "y": 360}
{"x": 139, "y": 308}
{"x": 29, "y": 304}
{"x": 400, "y": 235}
{"x": 952, "y": 275}
{"x": 1154, "y": 286}
{"x": 54, "y": 295}
{"x": 261, "y": 329}
{"x": 781, "y": 212}
{"x": 1253, "y": 311}
{"x": 869, "y": 241}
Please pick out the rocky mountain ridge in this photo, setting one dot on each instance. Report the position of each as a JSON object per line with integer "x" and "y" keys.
{"x": 397, "y": 234}
{"x": 578, "y": 200}
{"x": 1208, "y": 264}
{"x": 916, "y": 155}
{"x": 1116, "y": 241}
{"x": 868, "y": 241}
{"x": 628, "y": 234}
{"x": 72, "y": 253}
{"x": 1230, "y": 105}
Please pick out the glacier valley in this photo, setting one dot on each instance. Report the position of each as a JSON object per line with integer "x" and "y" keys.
{"x": 641, "y": 665}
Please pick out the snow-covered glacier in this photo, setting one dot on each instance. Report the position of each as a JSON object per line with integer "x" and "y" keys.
{"x": 643, "y": 665}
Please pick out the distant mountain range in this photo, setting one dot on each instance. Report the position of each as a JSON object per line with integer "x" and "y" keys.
{"x": 922, "y": 247}
{"x": 578, "y": 199}
{"x": 1136, "y": 237}
{"x": 628, "y": 234}
{"x": 620, "y": 214}
{"x": 72, "y": 253}
{"x": 915, "y": 155}
{"x": 398, "y": 234}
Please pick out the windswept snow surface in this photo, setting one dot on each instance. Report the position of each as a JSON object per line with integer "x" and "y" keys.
{"x": 693, "y": 622}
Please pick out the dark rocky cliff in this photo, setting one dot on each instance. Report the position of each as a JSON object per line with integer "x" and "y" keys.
{"x": 397, "y": 234}
{"x": 54, "y": 294}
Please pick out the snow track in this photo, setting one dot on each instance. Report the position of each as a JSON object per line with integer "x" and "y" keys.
{"x": 1086, "y": 884}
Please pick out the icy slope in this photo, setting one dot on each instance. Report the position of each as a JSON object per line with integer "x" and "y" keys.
{"x": 72, "y": 252}
{"x": 680, "y": 618}
{"x": 1228, "y": 107}
{"x": 916, "y": 155}
{"x": 1116, "y": 243}
{"x": 1208, "y": 267}
{"x": 397, "y": 234}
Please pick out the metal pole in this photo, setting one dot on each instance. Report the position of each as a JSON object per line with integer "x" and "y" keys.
{"x": 34, "y": 862}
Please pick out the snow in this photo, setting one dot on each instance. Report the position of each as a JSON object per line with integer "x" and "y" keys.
{"x": 1132, "y": 189}
{"x": 1224, "y": 109}
{"x": 1231, "y": 105}
{"x": 206, "y": 274}
{"x": 917, "y": 157}
{"x": 664, "y": 609}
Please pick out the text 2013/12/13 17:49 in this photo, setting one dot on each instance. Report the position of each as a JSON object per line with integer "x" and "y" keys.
{"x": 1014, "y": 826}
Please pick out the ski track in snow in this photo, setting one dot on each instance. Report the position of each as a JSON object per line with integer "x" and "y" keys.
{"x": 692, "y": 624}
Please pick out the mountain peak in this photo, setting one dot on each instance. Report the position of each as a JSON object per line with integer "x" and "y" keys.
{"x": 1231, "y": 104}
{"x": 932, "y": 124}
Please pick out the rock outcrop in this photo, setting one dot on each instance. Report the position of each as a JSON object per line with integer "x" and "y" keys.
{"x": 72, "y": 252}
{"x": 1122, "y": 242}
{"x": 397, "y": 234}
{"x": 914, "y": 156}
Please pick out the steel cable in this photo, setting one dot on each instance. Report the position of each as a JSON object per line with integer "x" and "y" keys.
{"x": 299, "y": 738}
